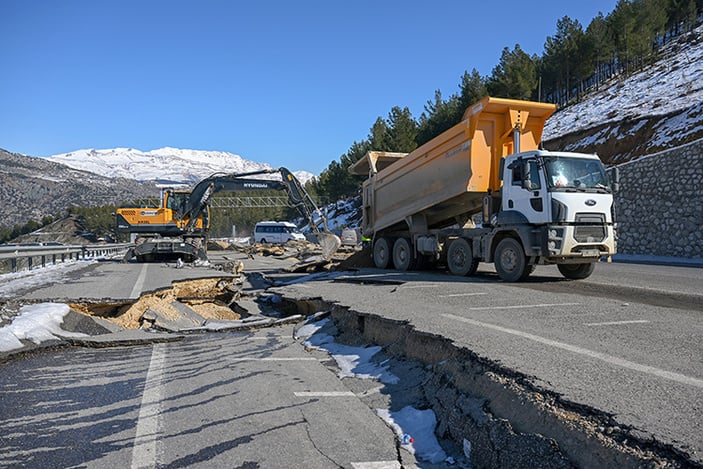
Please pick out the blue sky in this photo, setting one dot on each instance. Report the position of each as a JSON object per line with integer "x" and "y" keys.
{"x": 289, "y": 83}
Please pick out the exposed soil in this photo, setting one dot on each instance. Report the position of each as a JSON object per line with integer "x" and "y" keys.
{"x": 210, "y": 298}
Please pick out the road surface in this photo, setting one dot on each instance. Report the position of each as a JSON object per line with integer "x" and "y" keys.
{"x": 625, "y": 343}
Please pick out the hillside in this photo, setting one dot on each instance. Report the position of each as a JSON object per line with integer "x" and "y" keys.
{"x": 31, "y": 188}
{"x": 658, "y": 108}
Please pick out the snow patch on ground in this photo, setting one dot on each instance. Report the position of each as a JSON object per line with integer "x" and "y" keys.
{"x": 420, "y": 426}
{"x": 352, "y": 361}
{"x": 37, "y": 323}
{"x": 414, "y": 428}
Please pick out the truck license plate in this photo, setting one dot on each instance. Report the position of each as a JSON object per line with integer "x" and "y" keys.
{"x": 590, "y": 253}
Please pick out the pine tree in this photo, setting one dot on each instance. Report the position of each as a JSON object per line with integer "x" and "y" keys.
{"x": 515, "y": 76}
{"x": 402, "y": 130}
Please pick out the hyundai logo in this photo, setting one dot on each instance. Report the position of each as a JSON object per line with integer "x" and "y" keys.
{"x": 590, "y": 202}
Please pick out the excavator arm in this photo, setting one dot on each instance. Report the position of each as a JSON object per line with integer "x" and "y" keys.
{"x": 187, "y": 219}
{"x": 202, "y": 193}
{"x": 298, "y": 197}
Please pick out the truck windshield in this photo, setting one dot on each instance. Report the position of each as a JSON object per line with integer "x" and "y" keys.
{"x": 567, "y": 173}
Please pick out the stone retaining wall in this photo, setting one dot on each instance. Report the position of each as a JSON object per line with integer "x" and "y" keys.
{"x": 659, "y": 206}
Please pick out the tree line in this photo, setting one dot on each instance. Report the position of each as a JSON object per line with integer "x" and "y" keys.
{"x": 575, "y": 60}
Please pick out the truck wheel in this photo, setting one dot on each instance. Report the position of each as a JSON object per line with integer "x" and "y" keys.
{"x": 403, "y": 256}
{"x": 460, "y": 258}
{"x": 382, "y": 253}
{"x": 576, "y": 271}
{"x": 510, "y": 261}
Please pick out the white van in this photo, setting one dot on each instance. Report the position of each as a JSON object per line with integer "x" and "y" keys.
{"x": 276, "y": 232}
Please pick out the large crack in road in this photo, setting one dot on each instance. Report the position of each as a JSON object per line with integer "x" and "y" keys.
{"x": 508, "y": 421}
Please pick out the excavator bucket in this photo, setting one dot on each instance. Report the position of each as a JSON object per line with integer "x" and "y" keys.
{"x": 329, "y": 242}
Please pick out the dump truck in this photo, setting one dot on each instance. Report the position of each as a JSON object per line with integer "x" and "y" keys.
{"x": 483, "y": 191}
{"x": 178, "y": 227}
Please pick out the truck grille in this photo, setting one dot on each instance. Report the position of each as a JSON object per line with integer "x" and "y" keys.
{"x": 590, "y": 227}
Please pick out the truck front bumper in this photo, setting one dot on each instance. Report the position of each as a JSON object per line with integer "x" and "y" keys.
{"x": 576, "y": 243}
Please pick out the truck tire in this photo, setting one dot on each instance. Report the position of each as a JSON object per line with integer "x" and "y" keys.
{"x": 576, "y": 271}
{"x": 403, "y": 255}
{"x": 511, "y": 262}
{"x": 460, "y": 258}
{"x": 382, "y": 253}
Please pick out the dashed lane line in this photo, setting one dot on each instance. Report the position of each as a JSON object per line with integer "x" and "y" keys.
{"x": 272, "y": 359}
{"x": 324, "y": 394}
{"x": 146, "y": 451}
{"x": 543, "y": 305}
{"x": 139, "y": 284}
{"x": 454, "y": 295}
{"x": 617, "y": 361}
{"x": 376, "y": 465}
{"x": 617, "y": 323}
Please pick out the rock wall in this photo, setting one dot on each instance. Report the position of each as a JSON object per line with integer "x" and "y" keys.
{"x": 659, "y": 206}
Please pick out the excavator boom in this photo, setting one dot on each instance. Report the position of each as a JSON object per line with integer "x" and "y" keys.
{"x": 183, "y": 217}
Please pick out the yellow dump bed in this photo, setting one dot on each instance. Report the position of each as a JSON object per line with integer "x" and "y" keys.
{"x": 448, "y": 176}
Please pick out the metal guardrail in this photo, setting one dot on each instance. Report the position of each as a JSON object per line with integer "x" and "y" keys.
{"x": 43, "y": 254}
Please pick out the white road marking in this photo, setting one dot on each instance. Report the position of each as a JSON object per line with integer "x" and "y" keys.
{"x": 273, "y": 359}
{"x": 463, "y": 294}
{"x": 376, "y": 465}
{"x": 139, "y": 284}
{"x": 545, "y": 305}
{"x": 145, "y": 451}
{"x": 617, "y": 323}
{"x": 324, "y": 394}
{"x": 658, "y": 372}
{"x": 424, "y": 285}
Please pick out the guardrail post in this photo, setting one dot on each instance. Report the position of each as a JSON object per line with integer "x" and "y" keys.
{"x": 13, "y": 261}
{"x": 29, "y": 263}
{"x": 43, "y": 261}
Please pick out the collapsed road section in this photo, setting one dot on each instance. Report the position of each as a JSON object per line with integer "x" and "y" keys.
{"x": 507, "y": 420}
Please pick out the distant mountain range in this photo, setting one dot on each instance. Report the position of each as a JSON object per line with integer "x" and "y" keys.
{"x": 32, "y": 188}
{"x": 163, "y": 166}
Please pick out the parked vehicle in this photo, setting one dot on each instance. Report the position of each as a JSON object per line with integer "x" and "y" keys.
{"x": 277, "y": 232}
{"x": 536, "y": 206}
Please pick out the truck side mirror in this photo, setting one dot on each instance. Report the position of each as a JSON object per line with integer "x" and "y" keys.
{"x": 527, "y": 183}
{"x": 614, "y": 176}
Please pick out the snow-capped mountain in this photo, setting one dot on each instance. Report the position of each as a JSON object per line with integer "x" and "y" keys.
{"x": 165, "y": 165}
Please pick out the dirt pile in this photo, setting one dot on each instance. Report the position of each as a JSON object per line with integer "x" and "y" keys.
{"x": 186, "y": 304}
{"x": 68, "y": 230}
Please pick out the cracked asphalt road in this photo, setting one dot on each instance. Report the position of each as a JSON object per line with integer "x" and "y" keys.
{"x": 218, "y": 400}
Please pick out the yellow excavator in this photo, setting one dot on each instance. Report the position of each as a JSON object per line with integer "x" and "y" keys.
{"x": 178, "y": 227}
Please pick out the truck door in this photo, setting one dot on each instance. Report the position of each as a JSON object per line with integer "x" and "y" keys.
{"x": 526, "y": 192}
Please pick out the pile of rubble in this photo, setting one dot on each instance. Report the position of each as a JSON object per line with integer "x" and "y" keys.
{"x": 309, "y": 255}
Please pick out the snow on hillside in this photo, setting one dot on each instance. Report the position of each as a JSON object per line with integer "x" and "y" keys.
{"x": 672, "y": 84}
{"x": 165, "y": 165}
